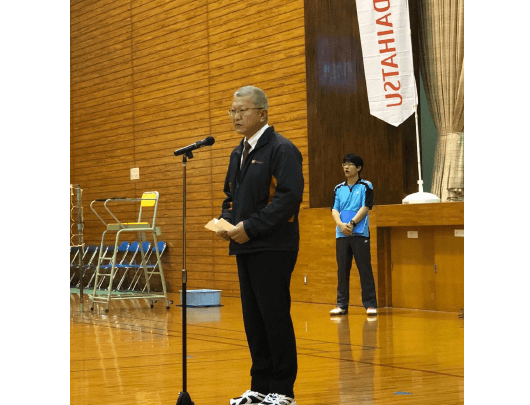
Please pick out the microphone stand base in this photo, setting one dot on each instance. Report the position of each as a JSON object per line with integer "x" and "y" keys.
{"x": 184, "y": 399}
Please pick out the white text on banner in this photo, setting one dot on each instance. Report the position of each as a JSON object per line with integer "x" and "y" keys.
{"x": 387, "y": 54}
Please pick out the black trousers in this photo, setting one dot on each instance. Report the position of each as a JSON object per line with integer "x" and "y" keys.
{"x": 348, "y": 248}
{"x": 264, "y": 280}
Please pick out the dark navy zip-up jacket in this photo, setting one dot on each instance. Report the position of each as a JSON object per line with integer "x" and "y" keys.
{"x": 265, "y": 193}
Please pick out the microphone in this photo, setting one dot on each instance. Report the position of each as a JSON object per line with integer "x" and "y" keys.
{"x": 205, "y": 142}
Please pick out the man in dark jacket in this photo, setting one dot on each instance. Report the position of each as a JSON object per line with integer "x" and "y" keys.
{"x": 264, "y": 186}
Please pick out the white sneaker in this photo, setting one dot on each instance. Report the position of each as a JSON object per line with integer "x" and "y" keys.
{"x": 248, "y": 398}
{"x": 278, "y": 399}
{"x": 371, "y": 311}
{"x": 338, "y": 311}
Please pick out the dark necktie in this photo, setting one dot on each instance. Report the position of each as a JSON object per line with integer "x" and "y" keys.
{"x": 245, "y": 152}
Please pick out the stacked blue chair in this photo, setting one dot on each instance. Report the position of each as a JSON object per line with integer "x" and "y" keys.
{"x": 90, "y": 252}
{"x": 128, "y": 262}
{"x": 150, "y": 267}
{"x": 116, "y": 258}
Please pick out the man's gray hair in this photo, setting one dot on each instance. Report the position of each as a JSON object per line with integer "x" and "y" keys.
{"x": 258, "y": 96}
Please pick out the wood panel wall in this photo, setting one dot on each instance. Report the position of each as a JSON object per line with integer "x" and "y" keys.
{"x": 150, "y": 76}
{"x": 317, "y": 260}
{"x": 339, "y": 120}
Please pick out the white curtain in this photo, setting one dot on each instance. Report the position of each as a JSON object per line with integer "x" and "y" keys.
{"x": 441, "y": 25}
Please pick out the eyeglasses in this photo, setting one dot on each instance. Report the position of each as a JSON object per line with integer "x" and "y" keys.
{"x": 242, "y": 111}
{"x": 347, "y": 164}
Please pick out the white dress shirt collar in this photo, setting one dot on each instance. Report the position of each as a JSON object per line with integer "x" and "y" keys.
{"x": 253, "y": 140}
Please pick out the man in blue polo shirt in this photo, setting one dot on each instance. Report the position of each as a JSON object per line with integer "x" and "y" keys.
{"x": 352, "y": 200}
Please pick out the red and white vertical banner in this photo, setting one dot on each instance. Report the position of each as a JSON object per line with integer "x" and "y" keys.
{"x": 387, "y": 54}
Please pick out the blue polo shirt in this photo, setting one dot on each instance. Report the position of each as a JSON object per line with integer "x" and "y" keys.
{"x": 349, "y": 200}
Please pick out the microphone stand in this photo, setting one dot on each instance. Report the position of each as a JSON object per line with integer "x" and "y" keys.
{"x": 184, "y": 398}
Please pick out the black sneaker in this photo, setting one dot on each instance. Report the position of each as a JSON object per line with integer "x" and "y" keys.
{"x": 249, "y": 397}
{"x": 278, "y": 399}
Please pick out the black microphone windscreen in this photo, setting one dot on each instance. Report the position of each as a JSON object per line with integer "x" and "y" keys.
{"x": 209, "y": 141}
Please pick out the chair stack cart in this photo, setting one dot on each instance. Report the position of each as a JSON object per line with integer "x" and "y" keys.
{"x": 108, "y": 265}
{"x": 79, "y": 224}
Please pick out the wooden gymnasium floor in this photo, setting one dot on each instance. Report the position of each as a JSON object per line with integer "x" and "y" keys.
{"x": 133, "y": 355}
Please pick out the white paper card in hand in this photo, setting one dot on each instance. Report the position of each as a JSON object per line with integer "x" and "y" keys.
{"x": 216, "y": 225}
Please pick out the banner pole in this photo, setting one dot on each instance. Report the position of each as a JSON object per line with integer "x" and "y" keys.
{"x": 420, "y": 181}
